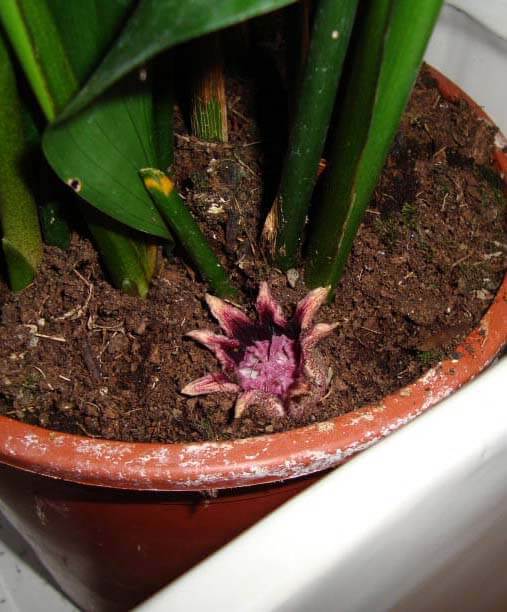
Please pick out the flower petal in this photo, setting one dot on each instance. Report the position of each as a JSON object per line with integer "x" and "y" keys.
{"x": 272, "y": 405}
{"x": 234, "y": 322}
{"x": 309, "y": 305}
{"x": 312, "y": 364}
{"x": 221, "y": 346}
{"x": 211, "y": 383}
{"x": 316, "y": 334}
{"x": 268, "y": 309}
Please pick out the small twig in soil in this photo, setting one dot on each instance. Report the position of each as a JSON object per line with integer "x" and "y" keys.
{"x": 82, "y": 427}
{"x": 238, "y": 114}
{"x": 78, "y": 311}
{"x": 89, "y": 360}
{"x": 461, "y": 260}
{"x": 92, "y": 326}
{"x": 126, "y": 414}
{"x": 498, "y": 244}
{"x": 39, "y": 370}
{"x": 33, "y": 331}
{"x": 487, "y": 256}
{"x": 245, "y": 227}
{"x": 194, "y": 141}
{"x": 439, "y": 152}
{"x": 242, "y": 163}
{"x": 42, "y": 373}
{"x": 442, "y": 208}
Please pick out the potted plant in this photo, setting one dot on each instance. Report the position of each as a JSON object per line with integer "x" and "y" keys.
{"x": 148, "y": 509}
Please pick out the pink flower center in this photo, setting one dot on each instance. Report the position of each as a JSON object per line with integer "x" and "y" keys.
{"x": 269, "y": 365}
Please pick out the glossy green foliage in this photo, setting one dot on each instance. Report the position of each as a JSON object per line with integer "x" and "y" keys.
{"x": 102, "y": 148}
{"x": 35, "y": 38}
{"x": 163, "y": 103}
{"x": 386, "y": 60}
{"x": 100, "y": 151}
{"x": 156, "y": 25}
{"x": 21, "y": 238}
{"x": 58, "y": 44}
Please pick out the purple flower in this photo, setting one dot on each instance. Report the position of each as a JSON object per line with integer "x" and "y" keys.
{"x": 272, "y": 362}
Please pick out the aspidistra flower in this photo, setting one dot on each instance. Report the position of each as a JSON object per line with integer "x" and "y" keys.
{"x": 271, "y": 362}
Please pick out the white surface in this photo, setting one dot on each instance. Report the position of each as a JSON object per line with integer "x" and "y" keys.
{"x": 471, "y": 55}
{"x": 370, "y": 535}
{"x": 490, "y": 13}
{"x": 24, "y": 584}
{"x": 252, "y": 570}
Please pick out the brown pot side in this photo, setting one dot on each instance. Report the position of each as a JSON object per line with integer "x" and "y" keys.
{"x": 109, "y": 550}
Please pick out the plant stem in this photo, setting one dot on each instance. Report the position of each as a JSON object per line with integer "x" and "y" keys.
{"x": 21, "y": 241}
{"x": 163, "y": 109}
{"x": 55, "y": 229}
{"x": 176, "y": 214}
{"x": 285, "y": 223}
{"x": 297, "y": 35}
{"x": 385, "y": 65}
{"x": 52, "y": 209}
{"x": 208, "y": 116}
{"x": 127, "y": 260}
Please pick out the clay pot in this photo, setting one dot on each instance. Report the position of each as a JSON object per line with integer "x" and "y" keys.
{"x": 115, "y": 521}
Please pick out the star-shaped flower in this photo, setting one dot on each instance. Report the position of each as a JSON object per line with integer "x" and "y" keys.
{"x": 271, "y": 362}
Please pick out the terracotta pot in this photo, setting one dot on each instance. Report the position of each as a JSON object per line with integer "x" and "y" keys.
{"x": 115, "y": 521}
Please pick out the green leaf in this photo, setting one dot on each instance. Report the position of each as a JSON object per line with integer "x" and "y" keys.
{"x": 87, "y": 29}
{"x": 59, "y": 42}
{"x": 386, "y": 61}
{"x": 34, "y": 36}
{"x": 163, "y": 105}
{"x": 160, "y": 24}
{"x": 74, "y": 34}
{"x": 100, "y": 151}
{"x": 21, "y": 241}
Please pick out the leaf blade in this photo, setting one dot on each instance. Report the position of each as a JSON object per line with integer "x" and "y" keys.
{"x": 155, "y": 26}
{"x": 21, "y": 241}
{"x": 33, "y": 35}
{"x": 109, "y": 180}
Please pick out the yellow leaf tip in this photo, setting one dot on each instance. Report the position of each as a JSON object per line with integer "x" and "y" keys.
{"x": 158, "y": 181}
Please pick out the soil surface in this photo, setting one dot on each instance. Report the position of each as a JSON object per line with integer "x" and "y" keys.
{"x": 78, "y": 356}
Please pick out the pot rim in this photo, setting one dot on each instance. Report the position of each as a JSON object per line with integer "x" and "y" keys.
{"x": 267, "y": 458}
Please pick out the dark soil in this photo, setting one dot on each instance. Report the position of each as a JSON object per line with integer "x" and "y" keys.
{"x": 78, "y": 356}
